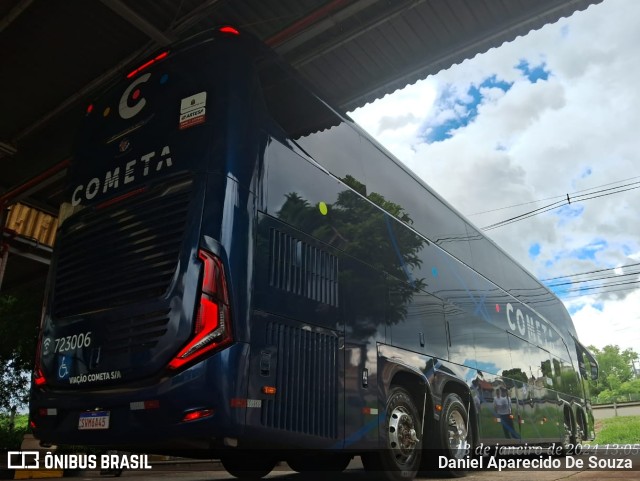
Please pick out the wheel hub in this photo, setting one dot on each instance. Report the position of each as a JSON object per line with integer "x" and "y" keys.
{"x": 457, "y": 434}
{"x": 403, "y": 437}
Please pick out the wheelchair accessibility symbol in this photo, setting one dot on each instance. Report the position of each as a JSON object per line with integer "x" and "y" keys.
{"x": 63, "y": 370}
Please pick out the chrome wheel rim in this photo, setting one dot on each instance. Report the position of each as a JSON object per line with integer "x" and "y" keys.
{"x": 403, "y": 437}
{"x": 457, "y": 434}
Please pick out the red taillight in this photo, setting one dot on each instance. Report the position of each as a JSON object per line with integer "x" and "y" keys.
{"x": 213, "y": 278}
{"x": 212, "y": 329}
{"x": 38, "y": 376}
{"x": 148, "y": 64}
{"x": 229, "y": 29}
{"x": 199, "y": 414}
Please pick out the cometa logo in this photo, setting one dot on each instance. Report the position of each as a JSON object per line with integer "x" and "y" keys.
{"x": 132, "y": 95}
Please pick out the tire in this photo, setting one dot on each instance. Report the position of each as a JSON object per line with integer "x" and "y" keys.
{"x": 248, "y": 466}
{"x": 580, "y": 434}
{"x": 455, "y": 437}
{"x": 568, "y": 438}
{"x": 454, "y": 428}
{"x": 400, "y": 458}
{"x": 310, "y": 463}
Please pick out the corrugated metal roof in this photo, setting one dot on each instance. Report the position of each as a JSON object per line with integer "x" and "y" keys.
{"x": 378, "y": 53}
{"x": 55, "y": 54}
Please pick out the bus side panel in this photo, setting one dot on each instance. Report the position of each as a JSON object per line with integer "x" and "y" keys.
{"x": 307, "y": 273}
{"x": 364, "y": 306}
{"x": 295, "y": 384}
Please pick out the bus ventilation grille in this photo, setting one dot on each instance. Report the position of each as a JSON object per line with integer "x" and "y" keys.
{"x": 306, "y": 376}
{"x": 136, "y": 334}
{"x": 118, "y": 255}
{"x": 301, "y": 269}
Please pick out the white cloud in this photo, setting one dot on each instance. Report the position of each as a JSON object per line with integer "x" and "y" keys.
{"x": 403, "y": 108}
{"x": 614, "y": 323}
{"x": 574, "y": 130}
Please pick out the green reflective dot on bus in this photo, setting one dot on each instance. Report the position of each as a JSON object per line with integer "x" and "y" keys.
{"x": 323, "y": 208}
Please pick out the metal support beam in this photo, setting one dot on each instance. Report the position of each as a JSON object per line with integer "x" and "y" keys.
{"x": 37, "y": 253}
{"x": 7, "y": 148}
{"x": 4, "y": 257}
{"x": 304, "y": 23}
{"x": 33, "y": 185}
{"x": 137, "y": 21}
{"x": 14, "y": 13}
{"x": 324, "y": 24}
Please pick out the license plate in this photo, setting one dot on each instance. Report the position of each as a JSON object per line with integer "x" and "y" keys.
{"x": 94, "y": 420}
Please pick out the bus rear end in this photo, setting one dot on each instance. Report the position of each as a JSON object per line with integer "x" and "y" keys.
{"x": 139, "y": 340}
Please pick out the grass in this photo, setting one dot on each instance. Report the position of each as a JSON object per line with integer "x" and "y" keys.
{"x": 12, "y": 439}
{"x": 618, "y": 430}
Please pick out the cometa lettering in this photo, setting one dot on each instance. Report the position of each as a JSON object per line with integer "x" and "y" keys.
{"x": 528, "y": 326}
{"x": 113, "y": 179}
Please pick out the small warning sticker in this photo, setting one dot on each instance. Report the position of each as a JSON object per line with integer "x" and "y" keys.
{"x": 192, "y": 110}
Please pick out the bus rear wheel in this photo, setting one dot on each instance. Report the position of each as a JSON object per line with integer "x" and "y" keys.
{"x": 455, "y": 435}
{"x": 568, "y": 439}
{"x": 455, "y": 427}
{"x": 400, "y": 458}
{"x": 250, "y": 465}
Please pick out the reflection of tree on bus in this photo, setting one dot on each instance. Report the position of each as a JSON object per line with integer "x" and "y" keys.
{"x": 502, "y": 408}
{"x": 365, "y": 232}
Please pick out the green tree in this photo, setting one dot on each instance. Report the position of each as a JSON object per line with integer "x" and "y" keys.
{"x": 19, "y": 320}
{"x": 630, "y": 387}
{"x": 616, "y": 375}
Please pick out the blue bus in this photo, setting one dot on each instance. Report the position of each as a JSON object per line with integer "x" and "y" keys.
{"x": 242, "y": 273}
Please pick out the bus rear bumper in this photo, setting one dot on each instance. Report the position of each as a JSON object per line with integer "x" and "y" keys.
{"x": 189, "y": 413}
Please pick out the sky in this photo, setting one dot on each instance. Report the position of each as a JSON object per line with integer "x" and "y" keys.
{"x": 518, "y": 129}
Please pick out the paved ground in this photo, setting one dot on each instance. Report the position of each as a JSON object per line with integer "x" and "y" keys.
{"x": 212, "y": 471}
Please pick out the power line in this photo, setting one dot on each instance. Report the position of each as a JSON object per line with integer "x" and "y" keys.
{"x": 516, "y": 205}
{"x": 549, "y": 207}
{"x": 613, "y": 284}
{"x": 563, "y": 196}
{"x": 589, "y": 272}
{"x": 597, "y": 293}
{"x": 593, "y": 279}
{"x": 582, "y": 197}
{"x": 526, "y": 215}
